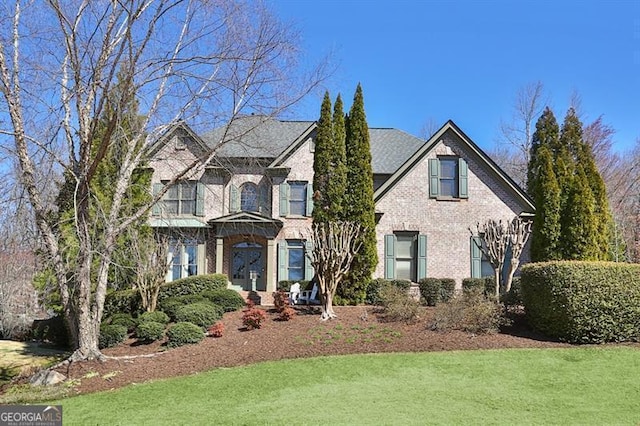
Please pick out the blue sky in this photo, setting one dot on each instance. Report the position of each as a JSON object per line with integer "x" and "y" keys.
{"x": 421, "y": 61}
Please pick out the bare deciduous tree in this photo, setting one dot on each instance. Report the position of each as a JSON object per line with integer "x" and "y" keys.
{"x": 204, "y": 62}
{"x": 497, "y": 238}
{"x": 151, "y": 258}
{"x": 334, "y": 246}
{"x": 514, "y": 141}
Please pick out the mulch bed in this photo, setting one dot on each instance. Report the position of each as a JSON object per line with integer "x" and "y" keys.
{"x": 357, "y": 329}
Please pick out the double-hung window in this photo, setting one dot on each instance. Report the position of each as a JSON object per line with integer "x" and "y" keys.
{"x": 181, "y": 199}
{"x": 184, "y": 259}
{"x": 405, "y": 256}
{"x": 294, "y": 263}
{"x": 448, "y": 178}
{"x": 296, "y": 198}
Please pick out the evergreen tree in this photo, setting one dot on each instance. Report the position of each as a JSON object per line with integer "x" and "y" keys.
{"x": 102, "y": 186}
{"x": 571, "y": 139}
{"x": 546, "y": 134}
{"x": 338, "y": 180}
{"x": 359, "y": 204}
{"x": 545, "y": 239}
{"x": 579, "y": 224}
{"x": 324, "y": 143}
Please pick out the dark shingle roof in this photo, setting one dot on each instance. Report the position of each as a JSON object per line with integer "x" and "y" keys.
{"x": 258, "y": 136}
{"x": 390, "y": 148}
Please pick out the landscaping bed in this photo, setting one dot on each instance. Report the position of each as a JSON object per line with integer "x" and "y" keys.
{"x": 358, "y": 329}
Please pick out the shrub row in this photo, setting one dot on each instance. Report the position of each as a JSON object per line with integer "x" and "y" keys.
{"x": 471, "y": 312}
{"x": 376, "y": 285}
{"x": 436, "y": 290}
{"x": 583, "y": 302}
{"x": 195, "y": 284}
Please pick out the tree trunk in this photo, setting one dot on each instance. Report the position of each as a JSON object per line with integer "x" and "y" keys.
{"x": 513, "y": 266}
{"x": 327, "y": 307}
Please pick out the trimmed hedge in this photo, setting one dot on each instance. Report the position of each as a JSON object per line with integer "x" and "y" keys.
{"x": 156, "y": 316}
{"x": 150, "y": 331}
{"x": 583, "y": 302}
{"x": 375, "y": 286}
{"x": 436, "y": 290}
{"x": 111, "y": 335}
{"x": 122, "y": 301}
{"x": 192, "y": 285}
{"x": 203, "y": 314}
{"x": 228, "y": 299}
{"x": 184, "y": 333}
{"x": 430, "y": 290}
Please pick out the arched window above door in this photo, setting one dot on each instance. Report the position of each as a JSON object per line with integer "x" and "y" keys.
{"x": 249, "y": 197}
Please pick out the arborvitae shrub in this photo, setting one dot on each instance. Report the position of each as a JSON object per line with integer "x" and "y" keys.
{"x": 111, "y": 335}
{"x": 227, "y": 298}
{"x": 203, "y": 314}
{"x": 216, "y": 330}
{"x": 150, "y": 331}
{"x": 156, "y": 316}
{"x": 184, "y": 333}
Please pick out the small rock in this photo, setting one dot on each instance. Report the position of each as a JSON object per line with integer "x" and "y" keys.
{"x": 47, "y": 378}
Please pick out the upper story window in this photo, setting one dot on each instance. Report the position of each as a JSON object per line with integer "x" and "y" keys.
{"x": 448, "y": 178}
{"x": 181, "y": 199}
{"x": 296, "y": 199}
{"x": 249, "y": 197}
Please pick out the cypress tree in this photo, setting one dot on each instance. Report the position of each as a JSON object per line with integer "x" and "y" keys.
{"x": 338, "y": 180}
{"x": 545, "y": 238}
{"x": 359, "y": 204}
{"x": 579, "y": 225}
{"x": 546, "y": 134}
{"x": 322, "y": 164}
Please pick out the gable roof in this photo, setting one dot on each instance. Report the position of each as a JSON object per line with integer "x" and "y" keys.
{"x": 472, "y": 150}
{"x": 256, "y": 136}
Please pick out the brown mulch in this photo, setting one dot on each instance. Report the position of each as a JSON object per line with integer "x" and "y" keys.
{"x": 356, "y": 330}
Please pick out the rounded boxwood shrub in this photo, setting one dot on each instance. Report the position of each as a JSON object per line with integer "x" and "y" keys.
{"x": 156, "y": 316}
{"x": 373, "y": 291}
{"x": 122, "y": 318}
{"x": 228, "y": 299}
{"x": 447, "y": 289}
{"x": 170, "y": 305}
{"x": 202, "y": 314}
{"x": 111, "y": 335}
{"x": 150, "y": 331}
{"x": 184, "y": 333}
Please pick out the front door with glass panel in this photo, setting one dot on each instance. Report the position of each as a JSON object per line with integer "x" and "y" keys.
{"x": 247, "y": 265}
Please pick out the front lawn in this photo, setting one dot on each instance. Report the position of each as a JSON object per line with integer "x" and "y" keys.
{"x": 586, "y": 385}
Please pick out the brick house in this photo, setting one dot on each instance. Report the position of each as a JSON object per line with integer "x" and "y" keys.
{"x": 245, "y": 214}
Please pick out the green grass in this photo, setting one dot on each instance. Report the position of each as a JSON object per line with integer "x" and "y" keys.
{"x": 588, "y": 385}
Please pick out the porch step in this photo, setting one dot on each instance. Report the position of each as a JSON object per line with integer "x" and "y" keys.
{"x": 262, "y": 298}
